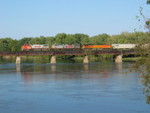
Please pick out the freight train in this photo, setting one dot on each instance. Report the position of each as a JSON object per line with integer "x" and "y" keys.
{"x": 27, "y": 47}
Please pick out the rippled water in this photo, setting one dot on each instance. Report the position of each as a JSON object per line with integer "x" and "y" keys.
{"x": 70, "y": 88}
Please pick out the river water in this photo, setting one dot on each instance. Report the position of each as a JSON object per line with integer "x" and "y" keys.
{"x": 71, "y": 88}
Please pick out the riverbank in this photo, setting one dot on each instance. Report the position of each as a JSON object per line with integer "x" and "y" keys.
{"x": 131, "y": 59}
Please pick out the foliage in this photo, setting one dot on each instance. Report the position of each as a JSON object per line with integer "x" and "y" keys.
{"x": 143, "y": 64}
{"x": 100, "y": 39}
{"x": 8, "y": 44}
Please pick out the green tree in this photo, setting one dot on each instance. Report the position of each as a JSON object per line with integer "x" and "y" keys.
{"x": 70, "y": 39}
{"x": 3, "y": 45}
{"x": 8, "y": 44}
{"x": 38, "y": 40}
{"x": 50, "y": 41}
{"x": 100, "y": 39}
{"x": 143, "y": 64}
{"x": 81, "y": 38}
{"x": 60, "y": 38}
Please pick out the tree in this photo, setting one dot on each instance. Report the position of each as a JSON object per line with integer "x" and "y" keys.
{"x": 143, "y": 64}
{"x": 8, "y": 44}
{"x": 3, "y": 45}
{"x": 100, "y": 39}
{"x": 70, "y": 39}
{"x": 37, "y": 40}
{"x": 60, "y": 38}
{"x": 50, "y": 40}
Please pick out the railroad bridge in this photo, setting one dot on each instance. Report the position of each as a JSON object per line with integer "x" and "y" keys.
{"x": 54, "y": 52}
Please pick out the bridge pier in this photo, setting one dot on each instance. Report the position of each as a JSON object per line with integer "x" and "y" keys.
{"x": 18, "y": 60}
{"x": 86, "y": 60}
{"x": 53, "y": 60}
{"x": 118, "y": 59}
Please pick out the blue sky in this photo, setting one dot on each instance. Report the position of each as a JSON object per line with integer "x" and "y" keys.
{"x": 31, "y": 18}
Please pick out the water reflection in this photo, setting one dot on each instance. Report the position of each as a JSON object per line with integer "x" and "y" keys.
{"x": 53, "y": 68}
{"x": 86, "y": 68}
{"x": 61, "y": 72}
{"x": 18, "y": 67}
{"x": 119, "y": 67}
{"x": 43, "y": 72}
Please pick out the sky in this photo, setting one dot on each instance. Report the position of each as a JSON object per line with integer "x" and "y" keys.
{"x": 33, "y": 18}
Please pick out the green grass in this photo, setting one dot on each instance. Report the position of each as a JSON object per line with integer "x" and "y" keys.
{"x": 131, "y": 59}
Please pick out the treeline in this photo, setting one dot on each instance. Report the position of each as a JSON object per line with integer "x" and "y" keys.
{"x": 9, "y": 44}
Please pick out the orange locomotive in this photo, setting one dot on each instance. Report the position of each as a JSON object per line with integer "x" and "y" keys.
{"x": 97, "y": 46}
{"x": 26, "y": 47}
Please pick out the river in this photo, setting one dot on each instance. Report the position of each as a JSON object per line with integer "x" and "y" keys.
{"x": 104, "y": 87}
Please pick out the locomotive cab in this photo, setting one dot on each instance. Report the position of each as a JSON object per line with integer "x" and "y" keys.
{"x": 26, "y": 47}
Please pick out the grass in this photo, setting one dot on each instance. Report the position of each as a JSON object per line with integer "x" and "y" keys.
{"x": 134, "y": 59}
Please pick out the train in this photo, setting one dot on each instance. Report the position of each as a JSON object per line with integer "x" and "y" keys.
{"x": 28, "y": 47}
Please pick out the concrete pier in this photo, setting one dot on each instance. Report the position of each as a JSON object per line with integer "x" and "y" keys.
{"x": 18, "y": 60}
{"x": 53, "y": 60}
{"x": 118, "y": 59}
{"x": 86, "y": 60}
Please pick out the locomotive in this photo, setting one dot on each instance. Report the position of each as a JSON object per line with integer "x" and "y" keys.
{"x": 96, "y": 46}
{"x": 28, "y": 47}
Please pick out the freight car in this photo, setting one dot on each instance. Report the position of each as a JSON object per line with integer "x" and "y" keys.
{"x": 123, "y": 46}
{"x": 65, "y": 46}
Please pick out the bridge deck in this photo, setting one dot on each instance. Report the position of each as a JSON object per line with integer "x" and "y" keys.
{"x": 67, "y": 52}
